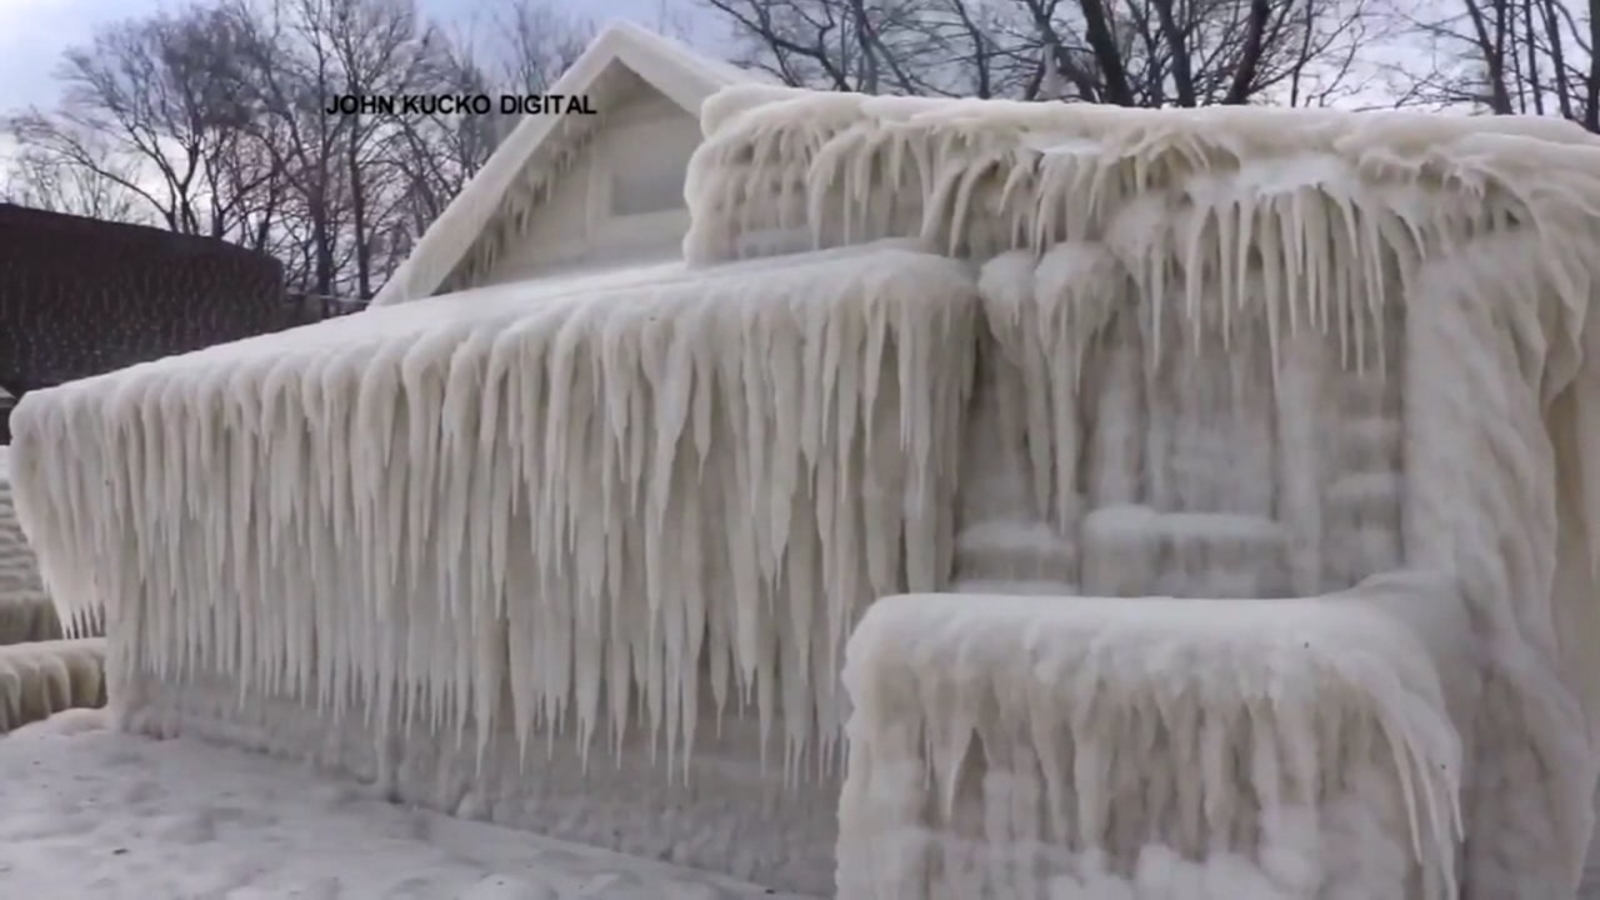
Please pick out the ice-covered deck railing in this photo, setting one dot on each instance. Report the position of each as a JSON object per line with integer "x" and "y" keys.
{"x": 588, "y": 499}
{"x": 782, "y": 170}
{"x": 1053, "y": 747}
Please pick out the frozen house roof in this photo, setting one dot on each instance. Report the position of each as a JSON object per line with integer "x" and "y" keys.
{"x": 515, "y": 179}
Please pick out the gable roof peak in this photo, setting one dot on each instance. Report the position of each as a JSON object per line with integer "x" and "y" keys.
{"x": 682, "y": 75}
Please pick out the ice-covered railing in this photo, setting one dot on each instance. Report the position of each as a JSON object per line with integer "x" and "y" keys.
{"x": 783, "y": 170}
{"x": 589, "y": 500}
{"x": 1033, "y": 748}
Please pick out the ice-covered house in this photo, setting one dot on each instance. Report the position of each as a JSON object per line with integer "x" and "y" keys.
{"x": 572, "y": 192}
{"x": 1197, "y": 504}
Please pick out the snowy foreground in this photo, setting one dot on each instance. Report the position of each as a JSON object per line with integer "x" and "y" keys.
{"x": 90, "y": 813}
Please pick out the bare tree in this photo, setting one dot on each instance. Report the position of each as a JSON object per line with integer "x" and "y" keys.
{"x": 1530, "y": 57}
{"x": 381, "y": 48}
{"x": 364, "y": 186}
{"x": 42, "y": 181}
{"x": 528, "y": 44}
{"x": 211, "y": 120}
{"x": 870, "y": 46}
{"x": 148, "y": 108}
{"x": 675, "y": 20}
{"x": 515, "y": 46}
{"x": 1122, "y": 52}
{"x": 334, "y": 171}
{"x": 289, "y": 75}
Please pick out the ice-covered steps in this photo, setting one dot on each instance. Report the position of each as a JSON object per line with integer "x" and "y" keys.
{"x": 994, "y": 486}
{"x": 27, "y": 616}
{"x": 1017, "y": 588}
{"x": 1362, "y": 514}
{"x": 1366, "y": 392}
{"x": 1004, "y": 541}
{"x": 1367, "y": 441}
{"x": 1051, "y": 747}
{"x": 1011, "y": 551}
{"x": 40, "y": 679}
{"x": 26, "y": 613}
{"x": 1133, "y": 551}
{"x": 1371, "y": 496}
{"x": 1362, "y": 497}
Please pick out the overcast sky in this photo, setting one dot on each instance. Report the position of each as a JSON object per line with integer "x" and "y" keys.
{"x": 33, "y": 33}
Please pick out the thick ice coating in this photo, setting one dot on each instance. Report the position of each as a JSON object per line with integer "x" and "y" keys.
{"x": 1228, "y": 356}
{"x": 41, "y": 678}
{"x": 1056, "y": 747}
{"x": 588, "y": 500}
{"x": 26, "y": 613}
{"x": 1187, "y": 289}
{"x": 789, "y": 170}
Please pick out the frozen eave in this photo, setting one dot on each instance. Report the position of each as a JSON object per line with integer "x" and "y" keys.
{"x": 467, "y": 494}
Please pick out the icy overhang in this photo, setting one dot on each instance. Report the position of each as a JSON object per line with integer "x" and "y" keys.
{"x": 979, "y": 177}
{"x": 407, "y": 513}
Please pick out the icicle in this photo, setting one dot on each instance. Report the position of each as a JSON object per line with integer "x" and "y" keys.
{"x": 505, "y": 478}
{"x": 409, "y": 515}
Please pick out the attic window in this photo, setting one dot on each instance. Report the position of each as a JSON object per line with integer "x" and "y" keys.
{"x": 649, "y": 183}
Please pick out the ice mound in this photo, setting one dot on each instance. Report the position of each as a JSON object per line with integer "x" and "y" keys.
{"x": 45, "y": 677}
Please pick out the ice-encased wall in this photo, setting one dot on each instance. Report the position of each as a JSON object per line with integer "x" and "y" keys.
{"x": 1172, "y": 456}
{"x": 1252, "y": 352}
{"x": 605, "y": 505}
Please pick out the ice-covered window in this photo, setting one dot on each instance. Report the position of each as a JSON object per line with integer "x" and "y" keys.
{"x": 647, "y": 183}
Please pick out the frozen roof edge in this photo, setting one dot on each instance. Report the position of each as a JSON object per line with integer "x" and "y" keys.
{"x": 684, "y": 76}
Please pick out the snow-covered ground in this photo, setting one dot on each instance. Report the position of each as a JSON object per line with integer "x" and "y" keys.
{"x": 86, "y": 812}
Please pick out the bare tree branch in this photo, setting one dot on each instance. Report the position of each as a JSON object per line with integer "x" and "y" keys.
{"x": 1124, "y": 52}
